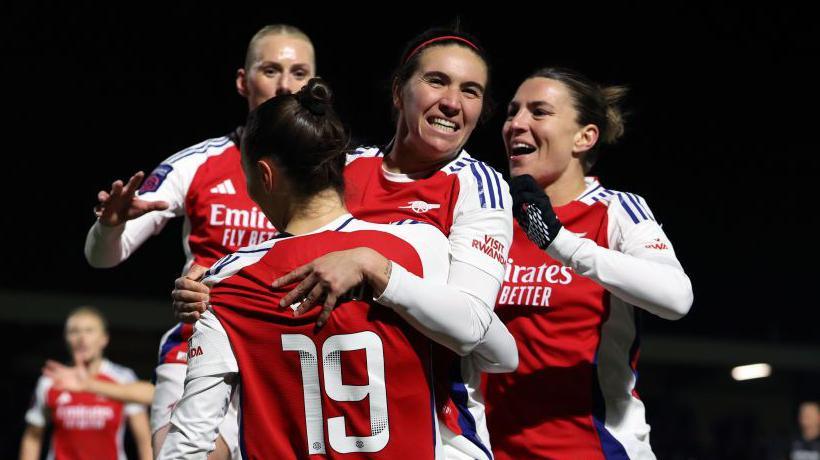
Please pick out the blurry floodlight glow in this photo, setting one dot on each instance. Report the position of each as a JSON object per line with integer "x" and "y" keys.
{"x": 751, "y": 371}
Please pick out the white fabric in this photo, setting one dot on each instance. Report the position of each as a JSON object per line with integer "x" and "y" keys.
{"x": 639, "y": 267}
{"x": 107, "y": 247}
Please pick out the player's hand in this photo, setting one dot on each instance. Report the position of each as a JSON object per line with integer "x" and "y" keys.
{"x": 69, "y": 378}
{"x": 533, "y": 211}
{"x": 121, "y": 204}
{"x": 325, "y": 280}
{"x": 190, "y": 295}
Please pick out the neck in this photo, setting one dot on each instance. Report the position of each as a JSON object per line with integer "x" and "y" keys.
{"x": 315, "y": 212}
{"x": 93, "y": 366}
{"x": 403, "y": 157}
{"x": 567, "y": 187}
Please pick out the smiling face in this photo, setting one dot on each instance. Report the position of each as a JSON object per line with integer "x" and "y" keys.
{"x": 441, "y": 102}
{"x": 541, "y": 133}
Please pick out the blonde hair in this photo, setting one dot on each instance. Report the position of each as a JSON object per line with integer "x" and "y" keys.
{"x": 272, "y": 29}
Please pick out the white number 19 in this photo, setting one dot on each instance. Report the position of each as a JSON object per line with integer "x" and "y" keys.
{"x": 337, "y": 391}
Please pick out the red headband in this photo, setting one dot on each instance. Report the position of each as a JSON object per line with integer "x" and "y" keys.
{"x": 438, "y": 39}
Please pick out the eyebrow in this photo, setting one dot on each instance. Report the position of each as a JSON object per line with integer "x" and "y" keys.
{"x": 445, "y": 76}
{"x": 540, "y": 104}
{"x": 279, "y": 65}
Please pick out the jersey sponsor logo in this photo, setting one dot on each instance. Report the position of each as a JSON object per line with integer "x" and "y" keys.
{"x": 224, "y": 188}
{"x": 420, "y": 207}
{"x": 194, "y": 352}
{"x": 490, "y": 246}
{"x": 223, "y": 216}
{"x": 657, "y": 245}
{"x": 552, "y": 274}
{"x": 529, "y": 285}
{"x": 244, "y": 227}
{"x": 157, "y": 177}
{"x": 85, "y": 417}
{"x": 535, "y": 296}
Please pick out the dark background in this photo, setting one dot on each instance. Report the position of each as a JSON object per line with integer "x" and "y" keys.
{"x": 720, "y": 142}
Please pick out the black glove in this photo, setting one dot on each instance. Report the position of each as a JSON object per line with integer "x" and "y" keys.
{"x": 533, "y": 211}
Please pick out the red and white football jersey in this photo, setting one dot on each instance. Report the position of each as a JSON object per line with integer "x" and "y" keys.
{"x": 470, "y": 203}
{"x": 359, "y": 387}
{"x": 204, "y": 184}
{"x": 573, "y": 395}
{"x": 85, "y": 425}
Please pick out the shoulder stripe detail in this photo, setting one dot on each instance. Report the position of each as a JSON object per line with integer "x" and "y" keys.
{"x": 222, "y": 263}
{"x": 344, "y": 224}
{"x": 202, "y": 147}
{"x": 480, "y": 186}
{"x": 498, "y": 188}
{"x": 489, "y": 187}
{"x": 456, "y": 167}
{"x": 631, "y": 198}
{"x": 590, "y": 192}
{"x": 628, "y": 209}
{"x": 633, "y": 207}
{"x": 406, "y": 221}
{"x": 597, "y": 194}
{"x": 641, "y": 204}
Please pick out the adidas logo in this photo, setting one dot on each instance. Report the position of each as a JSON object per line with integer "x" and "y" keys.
{"x": 224, "y": 188}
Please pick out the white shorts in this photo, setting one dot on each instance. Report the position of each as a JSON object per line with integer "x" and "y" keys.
{"x": 168, "y": 389}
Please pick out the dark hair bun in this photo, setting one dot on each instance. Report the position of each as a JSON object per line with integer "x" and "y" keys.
{"x": 316, "y": 96}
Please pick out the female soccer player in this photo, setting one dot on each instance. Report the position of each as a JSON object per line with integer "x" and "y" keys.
{"x": 424, "y": 174}
{"x": 203, "y": 183}
{"x": 583, "y": 257}
{"x": 83, "y": 424}
{"x": 375, "y": 397}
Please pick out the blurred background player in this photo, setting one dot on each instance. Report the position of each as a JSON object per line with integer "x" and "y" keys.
{"x": 806, "y": 445}
{"x": 424, "y": 174}
{"x": 203, "y": 183}
{"x": 85, "y": 425}
{"x": 376, "y": 395}
{"x": 582, "y": 258}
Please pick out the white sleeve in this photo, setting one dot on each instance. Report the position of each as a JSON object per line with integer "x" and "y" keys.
{"x": 459, "y": 314}
{"x": 482, "y": 222}
{"x": 37, "y": 414}
{"x": 452, "y": 316}
{"x": 131, "y": 408}
{"x": 106, "y": 247}
{"x": 640, "y": 269}
{"x": 197, "y": 416}
{"x": 209, "y": 384}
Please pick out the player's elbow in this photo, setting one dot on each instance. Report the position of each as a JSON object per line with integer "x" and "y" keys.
{"x": 679, "y": 301}
{"x": 101, "y": 263}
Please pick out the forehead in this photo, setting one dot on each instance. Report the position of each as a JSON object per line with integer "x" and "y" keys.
{"x": 454, "y": 60}
{"x": 279, "y": 48}
{"x": 540, "y": 89}
{"x": 810, "y": 408}
{"x": 83, "y": 320}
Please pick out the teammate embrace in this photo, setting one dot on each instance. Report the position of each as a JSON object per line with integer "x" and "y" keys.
{"x": 358, "y": 315}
